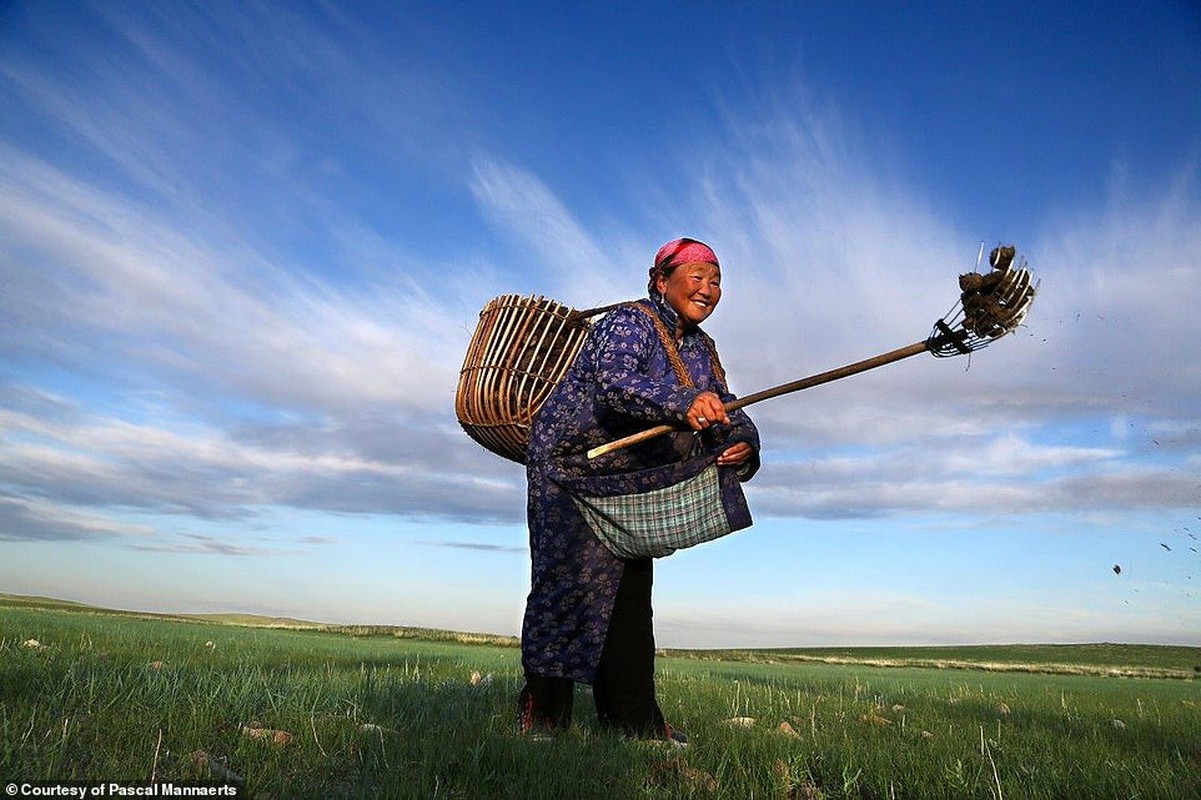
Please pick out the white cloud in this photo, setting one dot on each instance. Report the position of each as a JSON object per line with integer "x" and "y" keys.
{"x": 209, "y": 473}
{"x": 569, "y": 262}
{"x": 115, "y": 279}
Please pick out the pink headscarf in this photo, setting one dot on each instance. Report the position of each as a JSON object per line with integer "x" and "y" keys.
{"x": 677, "y": 252}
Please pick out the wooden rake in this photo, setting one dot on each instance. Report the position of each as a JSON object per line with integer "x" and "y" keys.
{"x": 990, "y": 306}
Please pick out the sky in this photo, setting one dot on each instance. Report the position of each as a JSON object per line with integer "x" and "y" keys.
{"x": 243, "y": 247}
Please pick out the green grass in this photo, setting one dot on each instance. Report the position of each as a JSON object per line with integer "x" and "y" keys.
{"x": 372, "y": 714}
{"x": 1117, "y": 660}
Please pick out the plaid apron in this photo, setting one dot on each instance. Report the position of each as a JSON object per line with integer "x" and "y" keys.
{"x": 654, "y": 512}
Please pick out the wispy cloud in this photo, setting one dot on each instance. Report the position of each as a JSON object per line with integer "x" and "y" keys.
{"x": 571, "y": 262}
{"x": 38, "y": 519}
{"x": 481, "y": 547}
{"x": 196, "y": 544}
{"x": 114, "y": 270}
{"x": 212, "y": 474}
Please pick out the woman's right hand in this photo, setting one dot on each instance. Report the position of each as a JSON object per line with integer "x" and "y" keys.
{"x": 707, "y": 409}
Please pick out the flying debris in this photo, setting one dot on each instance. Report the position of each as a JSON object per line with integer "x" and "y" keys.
{"x": 1117, "y": 569}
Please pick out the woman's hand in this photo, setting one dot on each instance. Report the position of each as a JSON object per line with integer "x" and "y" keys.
{"x": 707, "y": 409}
{"x": 735, "y": 454}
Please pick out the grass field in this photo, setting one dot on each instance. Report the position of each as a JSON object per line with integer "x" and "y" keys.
{"x": 301, "y": 711}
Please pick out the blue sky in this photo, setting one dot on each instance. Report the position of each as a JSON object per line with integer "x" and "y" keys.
{"x": 243, "y": 247}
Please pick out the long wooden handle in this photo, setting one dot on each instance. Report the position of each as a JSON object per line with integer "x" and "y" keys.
{"x": 775, "y": 391}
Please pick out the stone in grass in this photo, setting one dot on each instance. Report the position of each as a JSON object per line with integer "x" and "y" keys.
{"x": 874, "y": 718}
{"x": 786, "y": 729}
{"x": 256, "y": 731}
{"x": 740, "y": 722}
{"x": 215, "y": 768}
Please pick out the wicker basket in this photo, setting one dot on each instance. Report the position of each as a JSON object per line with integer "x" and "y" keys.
{"x": 521, "y": 348}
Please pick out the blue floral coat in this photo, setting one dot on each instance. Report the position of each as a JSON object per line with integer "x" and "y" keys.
{"x": 620, "y": 383}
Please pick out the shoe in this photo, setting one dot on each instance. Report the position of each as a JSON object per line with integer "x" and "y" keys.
{"x": 530, "y": 724}
{"x": 675, "y": 738}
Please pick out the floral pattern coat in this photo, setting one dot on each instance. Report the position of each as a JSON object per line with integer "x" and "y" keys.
{"x": 621, "y": 382}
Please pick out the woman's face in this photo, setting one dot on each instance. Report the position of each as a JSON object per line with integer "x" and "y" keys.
{"x": 692, "y": 290}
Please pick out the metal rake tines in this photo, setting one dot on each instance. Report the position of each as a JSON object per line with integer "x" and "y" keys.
{"x": 990, "y": 306}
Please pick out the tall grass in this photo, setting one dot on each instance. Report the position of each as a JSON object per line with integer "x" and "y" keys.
{"x": 106, "y": 697}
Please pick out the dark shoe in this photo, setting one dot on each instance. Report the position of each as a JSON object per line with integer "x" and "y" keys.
{"x": 674, "y": 737}
{"x": 531, "y": 724}
{"x": 668, "y": 737}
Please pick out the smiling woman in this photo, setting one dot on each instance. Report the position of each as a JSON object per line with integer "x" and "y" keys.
{"x": 588, "y": 614}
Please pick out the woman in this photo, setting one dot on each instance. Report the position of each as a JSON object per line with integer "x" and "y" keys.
{"x": 588, "y": 614}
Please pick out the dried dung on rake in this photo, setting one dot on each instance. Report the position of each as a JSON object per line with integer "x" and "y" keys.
{"x": 988, "y": 300}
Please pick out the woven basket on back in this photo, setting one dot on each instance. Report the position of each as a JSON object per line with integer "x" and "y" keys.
{"x": 521, "y": 348}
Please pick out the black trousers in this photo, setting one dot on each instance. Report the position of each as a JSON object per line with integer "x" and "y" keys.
{"x": 624, "y": 687}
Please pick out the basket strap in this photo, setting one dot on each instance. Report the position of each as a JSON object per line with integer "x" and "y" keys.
{"x": 718, "y": 370}
{"x": 669, "y": 344}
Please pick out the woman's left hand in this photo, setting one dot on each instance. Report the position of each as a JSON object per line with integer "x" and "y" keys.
{"x": 735, "y": 454}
